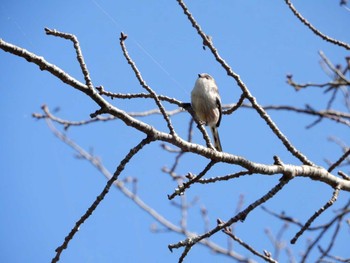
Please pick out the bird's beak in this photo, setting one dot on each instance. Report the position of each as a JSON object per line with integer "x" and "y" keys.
{"x": 199, "y": 75}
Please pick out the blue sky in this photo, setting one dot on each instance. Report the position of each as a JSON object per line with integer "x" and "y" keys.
{"x": 45, "y": 188}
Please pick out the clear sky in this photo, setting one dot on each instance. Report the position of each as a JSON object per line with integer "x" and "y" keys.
{"x": 45, "y": 189}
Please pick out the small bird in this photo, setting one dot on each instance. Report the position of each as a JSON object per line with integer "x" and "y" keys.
{"x": 206, "y": 103}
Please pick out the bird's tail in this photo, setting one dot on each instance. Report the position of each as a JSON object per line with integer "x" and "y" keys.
{"x": 217, "y": 143}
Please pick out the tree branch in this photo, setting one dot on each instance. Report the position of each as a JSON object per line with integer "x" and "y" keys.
{"x": 313, "y": 29}
{"x": 80, "y": 57}
{"x": 265, "y": 257}
{"x": 191, "y": 241}
{"x": 135, "y": 198}
{"x": 208, "y": 42}
{"x": 317, "y": 213}
{"x": 144, "y": 85}
{"x": 100, "y": 197}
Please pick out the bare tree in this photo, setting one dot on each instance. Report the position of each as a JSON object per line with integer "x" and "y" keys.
{"x": 238, "y": 167}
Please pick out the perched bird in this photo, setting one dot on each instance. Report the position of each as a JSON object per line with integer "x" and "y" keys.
{"x": 206, "y": 103}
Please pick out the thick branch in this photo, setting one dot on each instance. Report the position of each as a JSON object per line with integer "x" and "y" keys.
{"x": 313, "y": 172}
{"x": 43, "y": 65}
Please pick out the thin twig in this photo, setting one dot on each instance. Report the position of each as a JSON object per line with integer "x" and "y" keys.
{"x": 344, "y": 175}
{"x": 181, "y": 153}
{"x": 235, "y": 106}
{"x": 181, "y": 189}
{"x": 338, "y": 73}
{"x": 66, "y": 123}
{"x": 317, "y": 214}
{"x": 276, "y": 241}
{"x": 339, "y": 117}
{"x": 112, "y": 95}
{"x": 78, "y": 51}
{"x": 283, "y": 217}
{"x": 339, "y": 161}
{"x": 336, "y": 258}
{"x": 224, "y": 178}
{"x": 144, "y": 85}
{"x": 298, "y": 86}
{"x": 248, "y": 247}
{"x": 317, "y": 32}
{"x": 200, "y": 125}
{"x": 331, "y": 244}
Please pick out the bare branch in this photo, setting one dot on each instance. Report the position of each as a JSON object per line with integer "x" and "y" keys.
{"x": 317, "y": 213}
{"x": 181, "y": 189}
{"x": 298, "y": 86}
{"x": 235, "y": 106}
{"x": 331, "y": 244}
{"x": 325, "y": 228}
{"x": 313, "y": 29}
{"x": 339, "y": 117}
{"x": 80, "y": 57}
{"x": 265, "y": 257}
{"x": 283, "y": 217}
{"x": 190, "y": 242}
{"x": 337, "y": 259}
{"x": 144, "y": 85}
{"x": 66, "y": 123}
{"x": 100, "y": 197}
{"x": 344, "y": 176}
{"x": 137, "y": 95}
{"x": 43, "y": 65}
{"x": 224, "y": 178}
{"x": 339, "y": 161}
{"x": 277, "y": 241}
{"x": 339, "y": 74}
{"x": 181, "y": 153}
